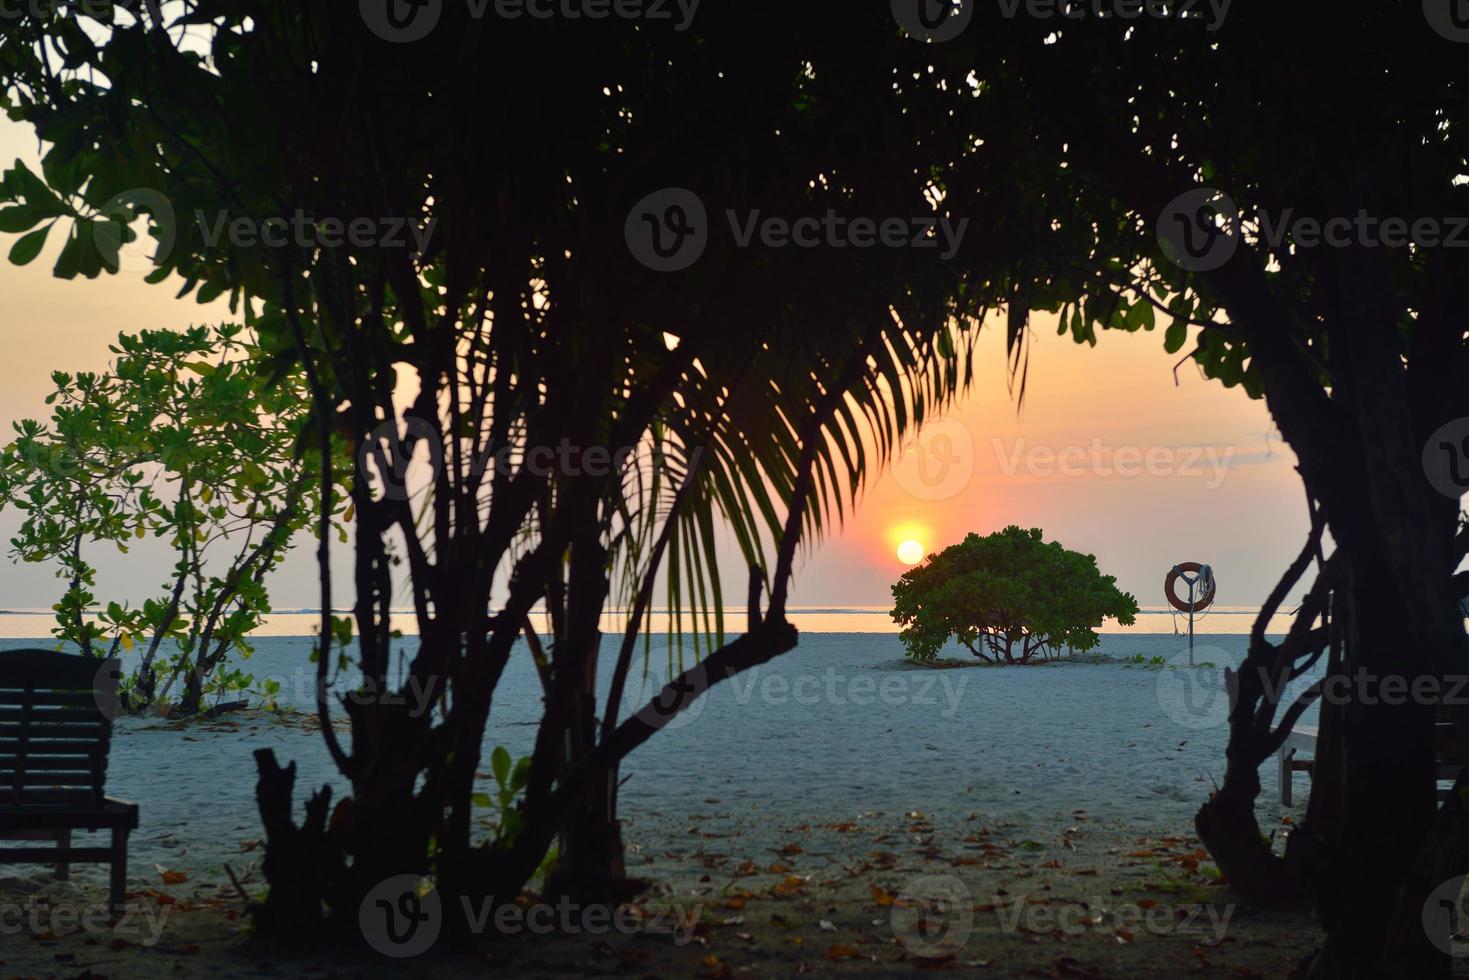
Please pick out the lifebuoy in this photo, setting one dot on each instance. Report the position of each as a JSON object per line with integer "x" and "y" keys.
{"x": 1203, "y": 596}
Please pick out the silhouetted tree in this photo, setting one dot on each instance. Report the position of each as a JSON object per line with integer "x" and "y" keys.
{"x": 1105, "y": 151}
{"x": 749, "y": 386}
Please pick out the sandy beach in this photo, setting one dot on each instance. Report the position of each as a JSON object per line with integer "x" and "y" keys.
{"x": 908, "y": 819}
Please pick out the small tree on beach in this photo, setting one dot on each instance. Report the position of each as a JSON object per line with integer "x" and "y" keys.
{"x": 1008, "y": 598}
{"x": 180, "y": 440}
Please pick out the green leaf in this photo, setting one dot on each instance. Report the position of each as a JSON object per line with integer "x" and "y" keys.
{"x": 1176, "y": 336}
{"x": 18, "y": 219}
{"x": 25, "y": 250}
{"x": 500, "y": 765}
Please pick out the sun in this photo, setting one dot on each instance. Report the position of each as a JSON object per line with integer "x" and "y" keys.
{"x": 910, "y": 552}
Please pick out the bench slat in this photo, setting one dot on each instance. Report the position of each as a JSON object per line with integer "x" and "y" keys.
{"x": 14, "y": 747}
{"x": 52, "y": 714}
{"x": 53, "y": 855}
{"x": 50, "y": 699}
{"x": 32, "y": 778}
{"x": 79, "y": 799}
{"x": 90, "y": 730}
{"x": 48, "y": 763}
{"x": 113, "y": 813}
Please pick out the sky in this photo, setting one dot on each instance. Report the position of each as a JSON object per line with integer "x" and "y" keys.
{"x": 1111, "y": 455}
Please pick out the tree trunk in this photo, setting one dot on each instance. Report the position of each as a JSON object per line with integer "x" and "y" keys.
{"x": 1227, "y": 827}
{"x": 590, "y": 867}
{"x": 1387, "y": 768}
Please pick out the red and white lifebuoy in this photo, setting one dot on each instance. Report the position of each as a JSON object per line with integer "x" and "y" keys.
{"x": 1203, "y": 596}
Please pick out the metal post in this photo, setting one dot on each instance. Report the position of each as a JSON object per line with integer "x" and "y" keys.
{"x": 1191, "y": 585}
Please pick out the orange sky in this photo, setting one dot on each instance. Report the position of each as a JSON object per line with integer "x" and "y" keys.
{"x": 1109, "y": 457}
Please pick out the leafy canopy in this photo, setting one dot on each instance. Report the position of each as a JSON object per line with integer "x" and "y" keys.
{"x": 182, "y": 441}
{"x": 1007, "y": 597}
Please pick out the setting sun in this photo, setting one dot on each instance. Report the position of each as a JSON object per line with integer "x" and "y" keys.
{"x": 910, "y": 552}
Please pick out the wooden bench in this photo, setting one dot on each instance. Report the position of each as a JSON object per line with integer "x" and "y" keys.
{"x": 55, "y": 729}
{"x": 1303, "y": 739}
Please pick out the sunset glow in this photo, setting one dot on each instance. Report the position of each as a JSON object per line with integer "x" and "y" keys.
{"x": 910, "y": 552}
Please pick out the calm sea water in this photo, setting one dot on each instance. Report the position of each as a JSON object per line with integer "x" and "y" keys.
{"x": 1220, "y": 620}
{"x": 839, "y": 727}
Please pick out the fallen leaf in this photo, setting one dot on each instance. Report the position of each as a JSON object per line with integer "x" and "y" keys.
{"x": 171, "y": 877}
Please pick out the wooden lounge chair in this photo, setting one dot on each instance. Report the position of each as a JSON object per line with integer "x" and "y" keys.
{"x": 1303, "y": 738}
{"x": 55, "y": 728}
